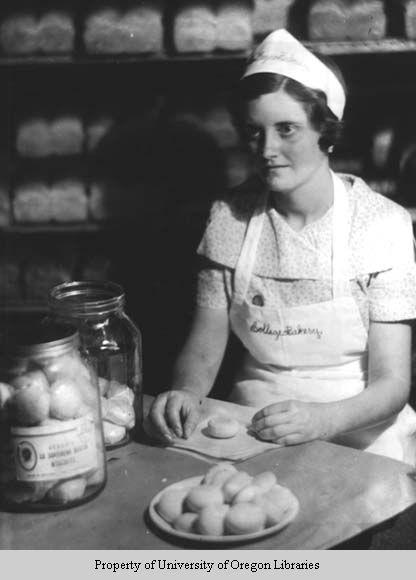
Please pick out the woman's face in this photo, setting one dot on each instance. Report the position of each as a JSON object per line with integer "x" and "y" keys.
{"x": 285, "y": 145}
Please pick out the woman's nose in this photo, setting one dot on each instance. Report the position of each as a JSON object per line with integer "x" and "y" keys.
{"x": 271, "y": 145}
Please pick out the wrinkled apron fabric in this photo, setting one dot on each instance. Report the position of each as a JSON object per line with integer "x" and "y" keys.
{"x": 316, "y": 352}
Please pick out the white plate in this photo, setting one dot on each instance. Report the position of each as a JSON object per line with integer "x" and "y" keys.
{"x": 291, "y": 512}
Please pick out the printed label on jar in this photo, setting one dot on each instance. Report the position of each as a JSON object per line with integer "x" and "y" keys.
{"x": 55, "y": 451}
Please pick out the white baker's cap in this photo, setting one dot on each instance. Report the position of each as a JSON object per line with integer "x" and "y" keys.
{"x": 281, "y": 53}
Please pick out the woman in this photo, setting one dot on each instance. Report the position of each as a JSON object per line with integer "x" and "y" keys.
{"x": 313, "y": 272}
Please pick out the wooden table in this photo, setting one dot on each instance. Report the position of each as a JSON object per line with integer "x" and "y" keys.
{"x": 341, "y": 492}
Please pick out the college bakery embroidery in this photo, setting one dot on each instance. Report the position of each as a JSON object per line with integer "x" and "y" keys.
{"x": 265, "y": 328}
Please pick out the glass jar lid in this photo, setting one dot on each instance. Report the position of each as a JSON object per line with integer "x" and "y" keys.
{"x": 86, "y": 297}
{"x": 39, "y": 338}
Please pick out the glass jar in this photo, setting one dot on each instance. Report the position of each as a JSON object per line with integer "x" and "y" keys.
{"x": 113, "y": 343}
{"x": 52, "y": 453}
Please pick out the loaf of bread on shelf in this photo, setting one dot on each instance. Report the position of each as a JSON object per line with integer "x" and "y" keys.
{"x": 194, "y": 27}
{"x": 234, "y": 25}
{"x": 10, "y": 287}
{"x": 133, "y": 31}
{"x": 40, "y": 137}
{"x": 69, "y": 202}
{"x": 409, "y": 16}
{"x": 101, "y": 31}
{"x": 327, "y": 20}
{"x": 269, "y": 15}
{"x": 96, "y": 130}
{"x": 43, "y": 271}
{"x": 19, "y": 34}
{"x": 56, "y": 32}
{"x": 141, "y": 29}
{"x": 33, "y": 138}
{"x": 366, "y": 20}
{"x": 32, "y": 202}
{"x": 66, "y": 135}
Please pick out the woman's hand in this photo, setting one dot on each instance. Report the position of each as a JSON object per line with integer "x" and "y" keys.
{"x": 291, "y": 422}
{"x": 174, "y": 414}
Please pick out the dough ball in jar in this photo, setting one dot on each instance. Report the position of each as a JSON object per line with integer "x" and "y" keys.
{"x": 202, "y": 496}
{"x": 244, "y": 518}
{"x": 65, "y": 399}
{"x": 222, "y": 427}
{"x": 210, "y": 521}
{"x": 67, "y": 491}
{"x": 30, "y": 404}
{"x": 171, "y": 503}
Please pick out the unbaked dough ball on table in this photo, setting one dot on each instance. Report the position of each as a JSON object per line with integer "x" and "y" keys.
{"x": 222, "y": 427}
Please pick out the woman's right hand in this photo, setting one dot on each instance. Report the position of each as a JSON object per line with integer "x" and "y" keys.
{"x": 174, "y": 414}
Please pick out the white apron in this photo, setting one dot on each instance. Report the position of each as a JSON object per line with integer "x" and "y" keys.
{"x": 316, "y": 352}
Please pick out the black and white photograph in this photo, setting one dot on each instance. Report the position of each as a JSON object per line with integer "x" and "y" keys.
{"x": 207, "y": 281}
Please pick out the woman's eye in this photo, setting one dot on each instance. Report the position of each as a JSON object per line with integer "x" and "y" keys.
{"x": 252, "y": 132}
{"x": 286, "y": 129}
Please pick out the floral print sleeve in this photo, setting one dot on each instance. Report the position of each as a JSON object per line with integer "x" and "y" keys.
{"x": 214, "y": 287}
{"x": 392, "y": 295}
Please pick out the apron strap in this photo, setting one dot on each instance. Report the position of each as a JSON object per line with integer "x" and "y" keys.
{"x": 340, "y": 238}
{"x": 247, "y": 258}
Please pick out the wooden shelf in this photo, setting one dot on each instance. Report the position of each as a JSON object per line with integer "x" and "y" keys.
{"x": 52, "y": 228}
{"x": 345, "y": 47}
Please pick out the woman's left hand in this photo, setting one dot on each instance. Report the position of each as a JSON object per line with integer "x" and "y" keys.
{"x": 292, "y": 422}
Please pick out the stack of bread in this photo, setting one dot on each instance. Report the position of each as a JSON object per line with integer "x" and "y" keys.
{"x": 269, "y": 15}
{"x": 131, "y": 28}
{"x": 201, "y": 26}
{"x": 346, "y": 20}
{"x": 409, "y": 13}
{"x": 38, "y": 136}
{"x": 28, "y": 32}
{"x": 227, "y": 502}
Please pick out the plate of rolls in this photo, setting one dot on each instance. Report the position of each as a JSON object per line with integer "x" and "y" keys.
{"x": 225, "y": 505}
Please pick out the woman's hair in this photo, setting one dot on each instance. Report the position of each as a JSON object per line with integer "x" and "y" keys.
{"x": 313, "y": 101}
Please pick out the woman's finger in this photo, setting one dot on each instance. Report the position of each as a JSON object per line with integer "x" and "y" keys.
{"x": 272, "y": 420}
{"x": 173, "y": 414}
{"x": 292, "y": 439}
{"x": 190, "y": 416}
{"x": 273, "y": 409}
{"x": 157, "y": 417}
{"x": 274, "y": 433}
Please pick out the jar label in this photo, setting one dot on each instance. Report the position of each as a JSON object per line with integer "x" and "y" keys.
{"x": 55, "y": 451}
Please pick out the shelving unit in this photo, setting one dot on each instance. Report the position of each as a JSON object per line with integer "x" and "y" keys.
{"x": 168, "y": 74}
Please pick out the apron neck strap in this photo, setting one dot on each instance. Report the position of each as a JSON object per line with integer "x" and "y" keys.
{"x": 247, "y": 258}
{"x": 340, "y": 234}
